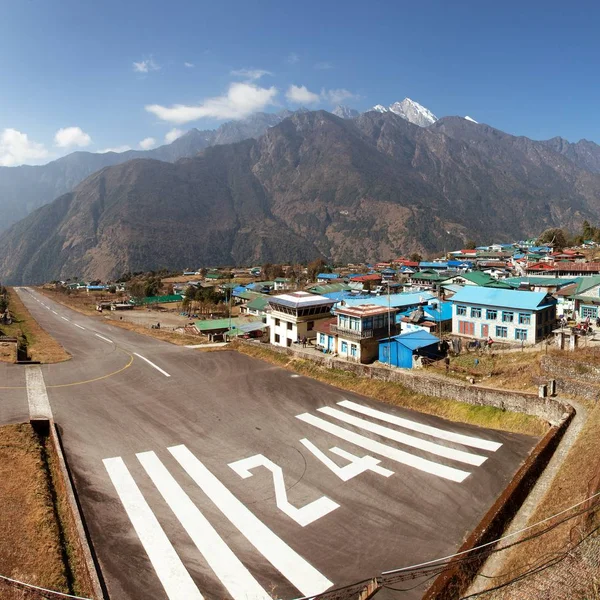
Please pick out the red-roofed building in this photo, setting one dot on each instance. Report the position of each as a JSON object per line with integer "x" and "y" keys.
{"x": 373, "y": 278}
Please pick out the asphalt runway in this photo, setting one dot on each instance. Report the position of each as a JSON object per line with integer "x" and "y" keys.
{"x": 215, "y": 475}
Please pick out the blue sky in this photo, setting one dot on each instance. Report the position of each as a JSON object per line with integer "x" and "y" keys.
{"x": 77, "y": 74}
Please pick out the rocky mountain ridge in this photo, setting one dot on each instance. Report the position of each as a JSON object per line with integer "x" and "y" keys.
{"x": 368, "y": 188}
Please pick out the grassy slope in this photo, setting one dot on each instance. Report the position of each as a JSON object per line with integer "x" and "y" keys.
{"x": 42, "y": 346}
{"x": 394, "y": 393}
{"x": 30, "y": 548}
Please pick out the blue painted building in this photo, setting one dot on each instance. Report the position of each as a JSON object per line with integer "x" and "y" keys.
{"x": 401, "y": 350}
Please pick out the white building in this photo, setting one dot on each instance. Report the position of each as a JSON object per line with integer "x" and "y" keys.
{"x": 356, "y": 333}
{"x": 503, "y": 315}
{"x": 294, "y": 315}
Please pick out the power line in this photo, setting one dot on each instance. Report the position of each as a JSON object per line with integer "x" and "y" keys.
{"x": 41, "y": 589}
{"x": 510, "y": 535}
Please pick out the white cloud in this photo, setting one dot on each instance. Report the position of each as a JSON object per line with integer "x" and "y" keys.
{"x": 323, "y": 66}
{"x": 145, "y": 66}
{"x": 67, "y": 137}
{"x": 300, "y": 94}
{"x": 189, "y": 65}
{"x": 241, "y": 100}
{"x": 117, "y": 149}
{"x": 292, "y": 58}
{"x": 16, "y": 148}
{"x": 250, "y": 74}
{"x": 337, "y": 96}
{"x": 172, "y": 135}
{"x": 147, "y": 143}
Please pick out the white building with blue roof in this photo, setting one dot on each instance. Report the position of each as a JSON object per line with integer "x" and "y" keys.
{"x": 504, "y": 315}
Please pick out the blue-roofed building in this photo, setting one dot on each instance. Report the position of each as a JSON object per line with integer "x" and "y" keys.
{"x": 438, "y": 266}
{"x": 503, "y": 315}
{"x": 405, "y": 350}
{"x": 327, "y": 277}
{"x": 436, "y": 317}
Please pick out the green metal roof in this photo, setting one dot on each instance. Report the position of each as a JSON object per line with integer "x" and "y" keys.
{"x": 259, "y": 303}
{"x": 328, "y": 288}
{"x": 211, "y": 324}
{"x": 157, "y": 299}
{"x": 587, "y": 282}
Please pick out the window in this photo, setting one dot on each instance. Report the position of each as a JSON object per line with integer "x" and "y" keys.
{"x": 277, "y": 322}
{"x": 322, "y": 339}
{"x": 310, "y": 325}
{"x": 475, "y": 313}
{"x": 277, "y": 338}
{"x": 289, "y": 326}
{"x": 589, "y": 311}
{"x": 491, "y": 314}
{"x": 289, "y": 342}
{"x": 501, "y": 332}
{"x": 521, "y": 334}
{"x": 461, "y": 311}
{"x": 344, "y": 347}
{"x": 353, "y": 349}
{"x": 524, "y": 319}
{"x": 508, "y": 317}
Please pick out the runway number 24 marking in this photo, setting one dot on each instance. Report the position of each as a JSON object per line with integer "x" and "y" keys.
{"x": 322, "y": 506}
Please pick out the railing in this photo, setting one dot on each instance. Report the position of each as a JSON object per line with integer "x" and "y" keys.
{"x": 364, "y": 334}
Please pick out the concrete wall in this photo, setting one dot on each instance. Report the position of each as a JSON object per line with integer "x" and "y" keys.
{"x": 549, "y": 409}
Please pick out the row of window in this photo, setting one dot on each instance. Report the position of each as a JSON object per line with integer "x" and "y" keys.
{"x": 520, "y": 334}
{"x": 309, "y": 325}
{"x": 491, "y": 314}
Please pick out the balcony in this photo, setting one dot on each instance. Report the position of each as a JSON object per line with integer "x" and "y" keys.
{"x": 381, "y": 332}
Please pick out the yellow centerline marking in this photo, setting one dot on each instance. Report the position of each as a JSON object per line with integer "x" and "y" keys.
{"x": 62, "y": 385}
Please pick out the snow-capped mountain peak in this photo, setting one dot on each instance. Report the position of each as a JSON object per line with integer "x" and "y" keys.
{"x": 411, "y": 111}
{"x": 345, "y": 112}
{"x": 468, "y": 118}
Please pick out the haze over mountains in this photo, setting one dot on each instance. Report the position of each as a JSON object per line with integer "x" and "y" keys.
{"x": 364, "y": 188}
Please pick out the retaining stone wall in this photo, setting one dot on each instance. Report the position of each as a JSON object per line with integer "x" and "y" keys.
{"x": 549, "y": 409}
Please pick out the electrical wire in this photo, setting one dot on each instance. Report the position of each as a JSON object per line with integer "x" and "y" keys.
{"x": 41, "y": 589}
{"x": 510, "y": 535}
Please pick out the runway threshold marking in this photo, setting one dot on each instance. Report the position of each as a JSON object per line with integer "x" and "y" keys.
{"x": 37, "y": 397}
{"x": 152, "y": 364}
{"x": 403, "y": 438}
{"x": 287, "y": 561}
{"x": 442, "y": 434}
{"x": 400, "y": 456}
{"x": 173, "y": 576}
{"x": 234, "y": 576}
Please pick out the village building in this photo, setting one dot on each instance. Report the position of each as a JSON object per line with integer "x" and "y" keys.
{"x": 503, "y": 315}
{"x": 409, "y": 350}
{"x": 294, "y": 315}
{"x": 356, "y": 331}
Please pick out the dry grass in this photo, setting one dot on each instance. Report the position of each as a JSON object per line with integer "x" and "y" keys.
{"x": 507, "y": 370}
{"x": 396, "y": 394}
{"x": 42, "y": 347}
{"x": 180, "y": 339}
{"x": 30, "y": 547}
{"x": 576, "y": 479}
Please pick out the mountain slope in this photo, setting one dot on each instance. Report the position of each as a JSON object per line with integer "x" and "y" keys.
{"x": 367, "y": 188}
{"x": 25, "y": 188}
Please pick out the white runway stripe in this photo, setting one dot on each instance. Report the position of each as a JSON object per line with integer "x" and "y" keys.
{"x": 227, "y": 567}
{"x": 400, "y": 456}
{"x": 403, "y": 438}
{"x": 103, "y": 338}
{"x": 80, "y": 327}
{"x": 168, "y": 566}
{"x": 152, "y": 364}
{"x": 465, "y": 440}
{"x": 37, "y": 397}
{"x": 288, "y": 562}
{"x": 64, "y": 318}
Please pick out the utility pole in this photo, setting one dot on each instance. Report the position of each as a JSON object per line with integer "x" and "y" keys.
{"x": 389, "y": 327}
